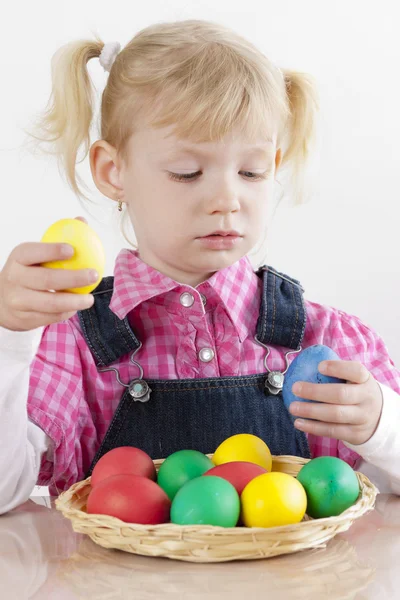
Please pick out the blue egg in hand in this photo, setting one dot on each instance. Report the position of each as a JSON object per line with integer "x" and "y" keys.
{"x": 305, "y": 368}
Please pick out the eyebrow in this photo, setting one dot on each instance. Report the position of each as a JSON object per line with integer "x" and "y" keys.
{"x": 260, "y": 149}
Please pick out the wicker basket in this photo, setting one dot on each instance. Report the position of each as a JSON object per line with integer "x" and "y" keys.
{"x": 208, "y": 543}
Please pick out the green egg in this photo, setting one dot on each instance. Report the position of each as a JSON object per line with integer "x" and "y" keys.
{"x": 331, "y": 486}
{"x": 179, "y": 468}
{"x": 206, "y": 501}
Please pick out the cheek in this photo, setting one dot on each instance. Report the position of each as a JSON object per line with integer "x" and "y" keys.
{"x": 257, "y": 209}
{"x": 157, "y": 220}
{"x": 257, "y": 219}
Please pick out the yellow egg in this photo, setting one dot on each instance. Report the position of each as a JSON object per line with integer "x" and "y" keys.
{"x": 244, "y": 447}
{"x": 273, "y": 499}
{"x": 89, "y": 251}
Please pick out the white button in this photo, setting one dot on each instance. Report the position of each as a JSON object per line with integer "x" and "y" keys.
{"x": 206, "y": 354}
{"x": 186, "y": 299}
{"x": 203, "y": 299}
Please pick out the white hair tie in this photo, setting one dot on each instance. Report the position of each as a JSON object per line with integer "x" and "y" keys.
{"x": 108, "y": 54}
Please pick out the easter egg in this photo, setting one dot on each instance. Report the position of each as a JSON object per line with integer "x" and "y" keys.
{"x": 331, "y": 486}
{"x": 123, "y": 460}
{"x": 179, "y": 468}
{"x": 131, "y": 498}
{"x": 206, "y": 501}
{"x": 272, "y": 500}
{"x": 243, "y": 447}
{"x": 89, "y": 252}
{"x": 305, "y": 368}
{"x": 238, "y": 473}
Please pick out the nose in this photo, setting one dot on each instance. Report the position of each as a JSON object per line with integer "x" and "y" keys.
{"x": 223, "y": 198}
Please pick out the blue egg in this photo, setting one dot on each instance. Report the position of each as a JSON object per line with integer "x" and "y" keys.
{"x": 305, "y": 368}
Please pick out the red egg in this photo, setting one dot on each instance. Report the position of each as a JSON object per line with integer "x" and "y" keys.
{"x": 238, "y": 473}
{"x": 123, "y": 460}
{"x": 131, "y": 498}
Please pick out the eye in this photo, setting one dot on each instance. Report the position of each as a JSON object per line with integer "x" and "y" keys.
{"x": 255, "y": 176}
{"x": 190, "y": 176}
{"x": 183, "y": 176}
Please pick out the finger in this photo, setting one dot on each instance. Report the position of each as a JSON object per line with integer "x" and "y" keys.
{"x": 35, "y": 253}
{"x": 333, "y": 393}
{"x": 350, "y": 370}
{"x": 37, "y": 319}
{"x": 81, "y": 219}
{"x": 42, "y": 278}
{"x": 329, "y": 430}
{"x": 50, "y": 302}
{"x": 328, "y": 413}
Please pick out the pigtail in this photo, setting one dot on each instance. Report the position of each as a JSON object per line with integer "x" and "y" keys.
{"x": 65, "y": 123}
{"x": 302, "y": 94}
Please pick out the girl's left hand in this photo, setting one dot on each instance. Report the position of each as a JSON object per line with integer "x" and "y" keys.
{"x": 348, "y": 411}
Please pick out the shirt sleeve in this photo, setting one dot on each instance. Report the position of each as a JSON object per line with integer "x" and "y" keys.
{"x": 354, "y": 340}
{"x": 57, "y": 405}
{"x": 380, "y": 454}
{"x": 22, "y": 443}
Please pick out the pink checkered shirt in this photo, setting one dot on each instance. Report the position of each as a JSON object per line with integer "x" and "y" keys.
{"x": 74, "y": 403}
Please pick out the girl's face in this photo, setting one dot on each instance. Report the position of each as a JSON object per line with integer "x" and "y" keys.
{"x": 178, "y": 192}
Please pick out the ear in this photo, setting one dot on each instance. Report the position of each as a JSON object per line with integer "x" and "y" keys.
{"x": 105, "y": 169}
{"x": 278, "y": 159}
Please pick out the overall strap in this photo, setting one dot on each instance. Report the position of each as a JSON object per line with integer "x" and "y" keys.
{"x": 107, "y": 336}
{"x": 281, "y": 322}
{"x": 283, "y": 316}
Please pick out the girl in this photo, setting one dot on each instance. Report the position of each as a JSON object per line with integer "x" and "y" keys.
{"x": 185, "y": 345}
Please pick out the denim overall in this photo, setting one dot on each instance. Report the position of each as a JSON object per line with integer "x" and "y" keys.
{"x": 200, "y": 413}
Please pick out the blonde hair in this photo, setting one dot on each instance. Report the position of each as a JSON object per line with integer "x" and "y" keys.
{"x": 199, "y": 76}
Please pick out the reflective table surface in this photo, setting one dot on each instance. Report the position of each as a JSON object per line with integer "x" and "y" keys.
{"x": 41, "y": 557}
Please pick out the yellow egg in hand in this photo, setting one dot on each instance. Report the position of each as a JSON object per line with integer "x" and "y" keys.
{"x": 243, "y": 447}
{"x": 89, "y": 251}
{"x": 273, "y": 499}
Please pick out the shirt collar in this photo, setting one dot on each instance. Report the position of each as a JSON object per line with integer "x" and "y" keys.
{"x": 236, "y": 286}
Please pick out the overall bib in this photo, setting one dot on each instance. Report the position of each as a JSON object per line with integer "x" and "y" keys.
{"x": 200, "y": 413}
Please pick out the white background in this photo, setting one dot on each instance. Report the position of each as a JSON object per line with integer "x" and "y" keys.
{"x": 343, "y": 244}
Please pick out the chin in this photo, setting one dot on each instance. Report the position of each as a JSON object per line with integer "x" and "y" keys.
{"x": 215, "y": 260}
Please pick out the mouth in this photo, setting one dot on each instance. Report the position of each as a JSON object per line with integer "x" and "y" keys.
{"x": 234, "y": 234}
{"x": 220, "y": 240}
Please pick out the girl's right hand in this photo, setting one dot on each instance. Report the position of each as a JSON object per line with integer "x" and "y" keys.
{"x": 25, "y": 300}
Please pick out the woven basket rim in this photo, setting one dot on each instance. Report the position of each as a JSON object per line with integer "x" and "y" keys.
{"x": 354, "y": 511}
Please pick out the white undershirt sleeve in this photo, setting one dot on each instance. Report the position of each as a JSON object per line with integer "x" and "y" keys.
{"x": 22, "y": 443}
{"x": 380, "y": 455}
